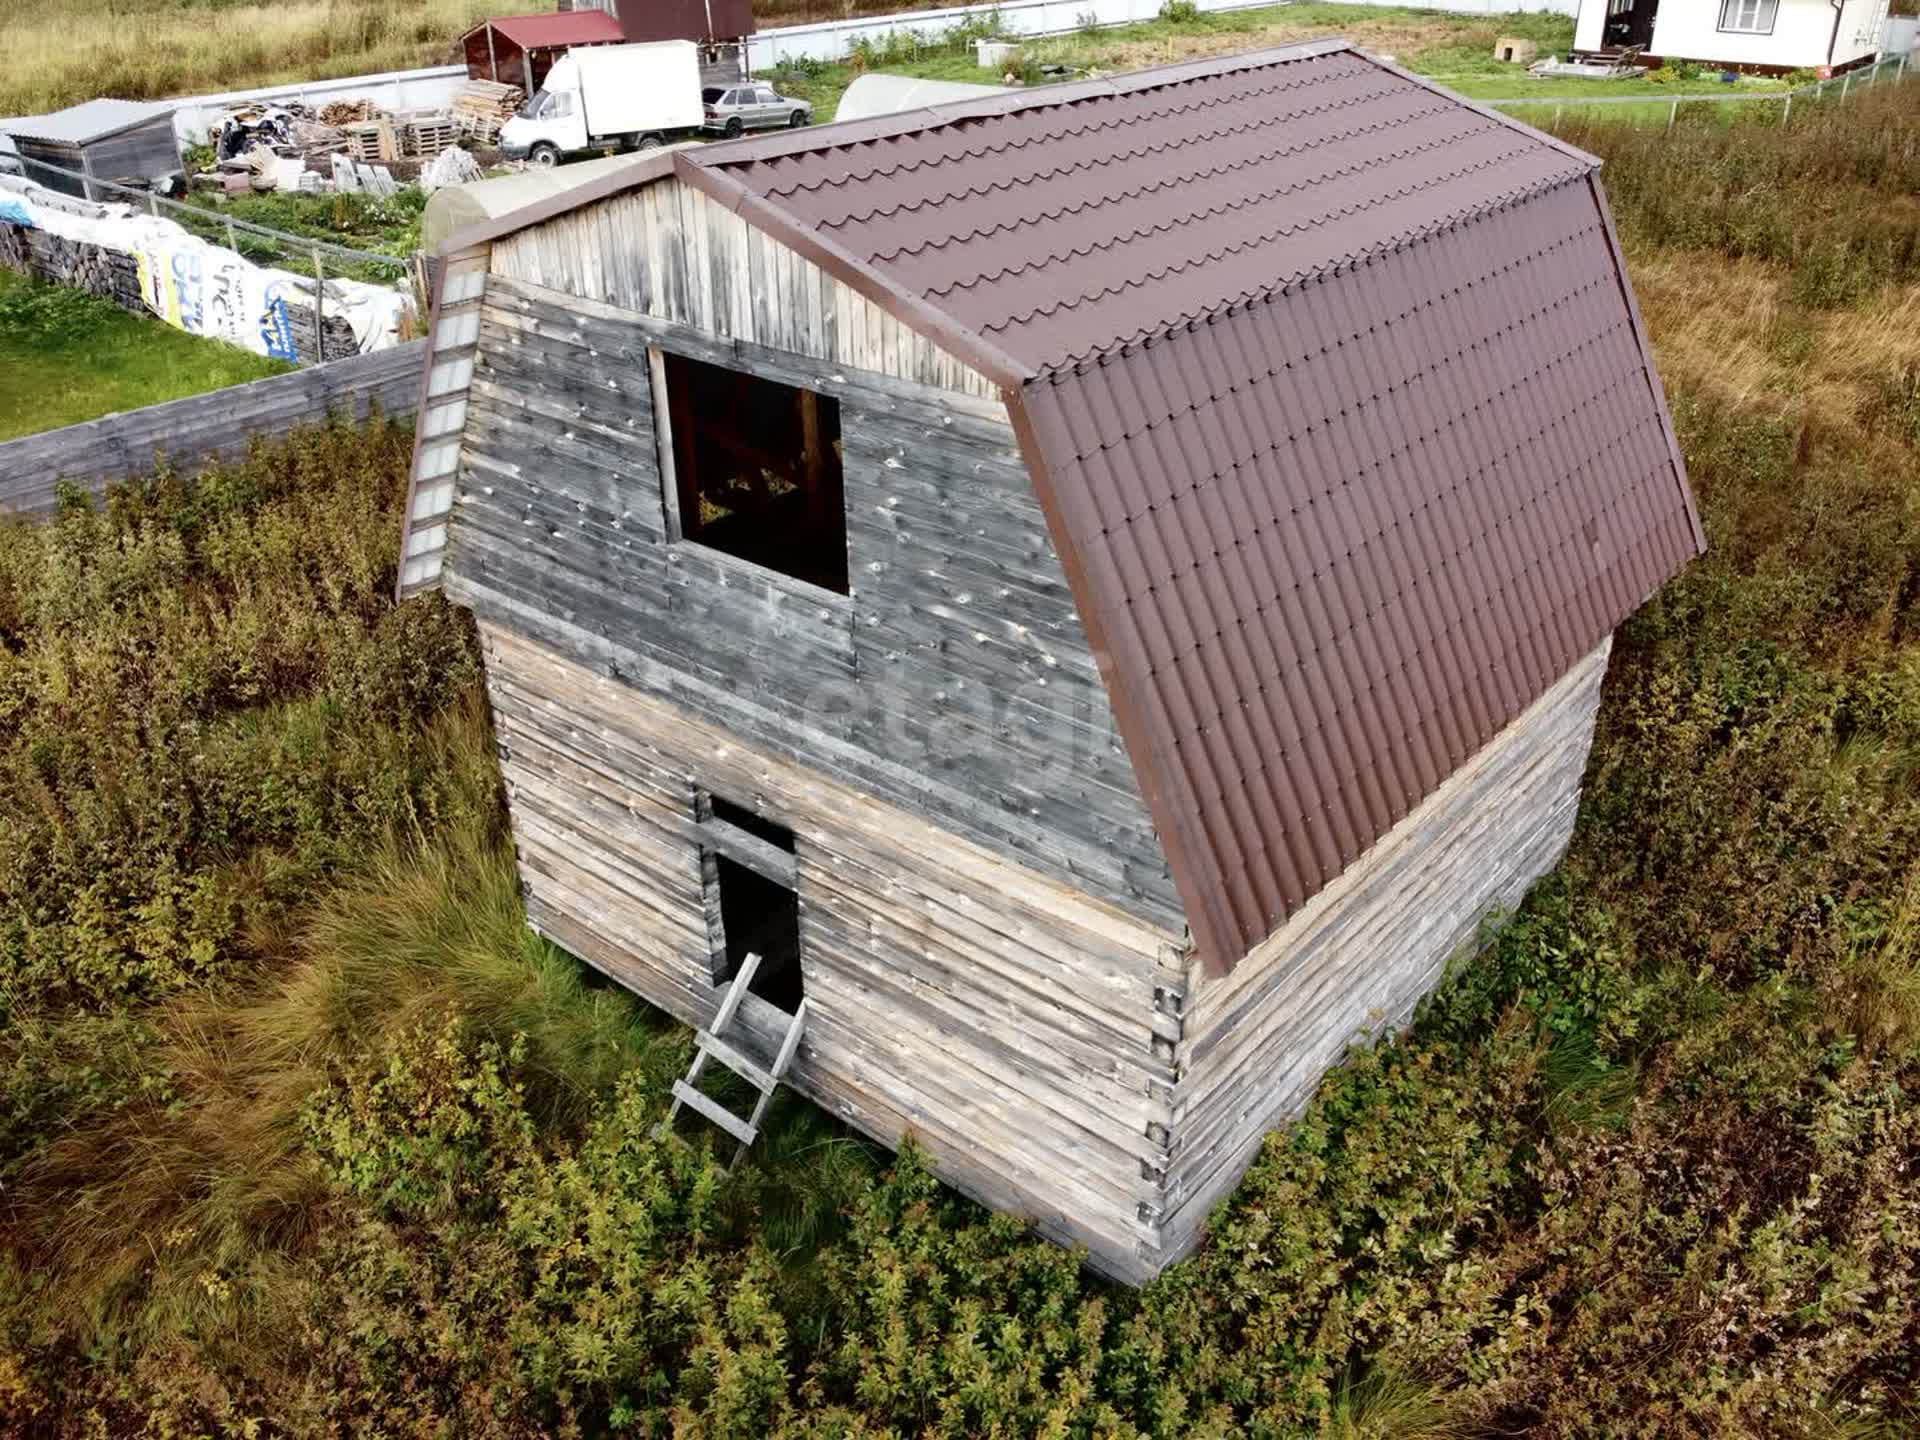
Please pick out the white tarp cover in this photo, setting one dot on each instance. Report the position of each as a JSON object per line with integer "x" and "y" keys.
{"x": 202, "y": 288}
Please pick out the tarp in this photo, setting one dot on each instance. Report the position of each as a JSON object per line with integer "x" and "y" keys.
{"x": 202, "y": 288}
{"x": 871, "y": 95}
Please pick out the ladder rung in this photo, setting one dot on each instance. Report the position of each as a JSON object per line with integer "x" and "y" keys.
{"x": 714, "y": 1111}
{"x": 746, "y": 1069}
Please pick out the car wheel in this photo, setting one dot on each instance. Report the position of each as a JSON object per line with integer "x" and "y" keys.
{"x": 796, "y": 120}
{"x": 543, "y": 155}
{"x": 734, "y": 126}
{"x": 648, "y": 142}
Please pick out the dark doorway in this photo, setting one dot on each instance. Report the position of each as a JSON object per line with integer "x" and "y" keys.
{"x": 759, "y": 914}
{"x": 1629, "y": 24}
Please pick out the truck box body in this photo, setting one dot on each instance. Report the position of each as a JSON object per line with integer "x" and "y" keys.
{"x": 636, "y": 89}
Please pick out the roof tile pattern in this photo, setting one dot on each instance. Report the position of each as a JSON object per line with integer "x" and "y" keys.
{"x": 1335, "y": 393}
{"x": 1341, "y": 538}
{"x": 1064, "y": 229}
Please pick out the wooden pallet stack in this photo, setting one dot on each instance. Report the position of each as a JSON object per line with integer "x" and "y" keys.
{"x": 482, "y": 107}
{"x": 371, "y": 141}
{"x": 425, "y": 135}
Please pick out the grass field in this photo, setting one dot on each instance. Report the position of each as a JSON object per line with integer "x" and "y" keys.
{"x": 302, "y": 1132}
{"x": 67, "y": 357}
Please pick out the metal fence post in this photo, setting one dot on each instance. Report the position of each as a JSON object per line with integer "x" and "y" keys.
{"x": 319, "y": 309}
{"x": 1787, "y": 109}
{"x": 1673, "y": 114}
{"x": 1846, "y": 85}
{"x": 233, "y": 237}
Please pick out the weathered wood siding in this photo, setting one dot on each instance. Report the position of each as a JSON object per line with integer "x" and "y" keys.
{"x": 1361, "y": 953}
{"x": 668, "y": 252}
{"x": 956, "y": 681}
{"x": 1006, "y": 1021}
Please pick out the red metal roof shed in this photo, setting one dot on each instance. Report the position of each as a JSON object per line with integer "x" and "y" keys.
{"x": 520, "y": 49}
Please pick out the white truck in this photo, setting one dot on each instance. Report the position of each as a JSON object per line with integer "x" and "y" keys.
{"x": 620, "y": 97}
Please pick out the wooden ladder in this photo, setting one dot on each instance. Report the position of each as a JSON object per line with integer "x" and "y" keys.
{"x": 710, "y": 1046}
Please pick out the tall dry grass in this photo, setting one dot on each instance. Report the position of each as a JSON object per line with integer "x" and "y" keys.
{"x": 59, "y": 52}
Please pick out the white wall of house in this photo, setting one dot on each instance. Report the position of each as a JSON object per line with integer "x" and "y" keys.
{"x": 1797, "y": 37}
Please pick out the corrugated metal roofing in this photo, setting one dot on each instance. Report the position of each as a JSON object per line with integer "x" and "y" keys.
{"x": 1334, "y": 392}
{"x": 86, "y": 122}
{"x": 565, "y": 27}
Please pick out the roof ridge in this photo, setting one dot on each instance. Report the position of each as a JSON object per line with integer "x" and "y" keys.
{"x": 1263, "y": 157}
{"x": 1251, "y": 126}
{"x": 886, "y": 127}
{"x": 1092, "y": 127}
{"x": 1057, "y": 370}
{"x": 1219, "y": 252}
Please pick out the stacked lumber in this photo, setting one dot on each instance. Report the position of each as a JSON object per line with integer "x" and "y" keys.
{"x": 111, "y": 274}
{"x": 482, "y": 107}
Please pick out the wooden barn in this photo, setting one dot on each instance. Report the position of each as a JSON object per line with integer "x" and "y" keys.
{"x": 130, "y": 142}
{"x": 1102, "y": 588}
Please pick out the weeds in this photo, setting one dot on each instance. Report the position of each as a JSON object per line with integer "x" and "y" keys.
{"x": 301, "y": 1131}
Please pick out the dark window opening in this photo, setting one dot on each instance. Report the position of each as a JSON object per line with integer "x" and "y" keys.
{"x": 758, "y": 914}
{"x": 757, "y": 470}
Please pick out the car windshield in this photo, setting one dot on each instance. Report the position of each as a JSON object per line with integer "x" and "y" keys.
{"x": 711, "y": 96}
{"x": 534, "y": 103}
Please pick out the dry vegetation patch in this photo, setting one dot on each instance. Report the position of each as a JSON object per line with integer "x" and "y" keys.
{"x": 60, "y": 52}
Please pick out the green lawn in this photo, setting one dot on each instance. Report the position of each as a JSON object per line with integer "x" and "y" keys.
{"x": 66, "y": 356}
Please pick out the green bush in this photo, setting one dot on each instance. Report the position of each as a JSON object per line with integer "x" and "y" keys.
{"x": 1179, "y": 12}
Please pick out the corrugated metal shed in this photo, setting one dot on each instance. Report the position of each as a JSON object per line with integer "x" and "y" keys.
{"x": 85, "y": 123}
{"x": 1334, "y": 392}
{"x": 568, "y": 27}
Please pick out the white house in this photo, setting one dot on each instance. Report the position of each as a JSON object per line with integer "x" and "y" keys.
{"x": 1759, "y": 35}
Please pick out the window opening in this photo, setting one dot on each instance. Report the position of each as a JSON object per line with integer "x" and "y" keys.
{"x": 756, "y": 470}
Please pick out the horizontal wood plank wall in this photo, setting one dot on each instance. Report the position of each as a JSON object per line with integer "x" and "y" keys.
{"x": 1005, "y": 1019}
{"x": 95, "y": 453}
{"x": 1358, "y": 957}
{"x": 669, "y": 252}
{"x": 956, "y": 681}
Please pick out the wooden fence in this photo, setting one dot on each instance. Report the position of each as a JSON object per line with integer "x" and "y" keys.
{"x": 220, "y": 423}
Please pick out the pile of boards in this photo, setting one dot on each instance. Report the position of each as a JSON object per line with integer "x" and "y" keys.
{"x": 482, "y": 107}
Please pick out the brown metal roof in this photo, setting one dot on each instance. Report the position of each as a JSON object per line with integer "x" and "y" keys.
{"x": 1335, "y": 395}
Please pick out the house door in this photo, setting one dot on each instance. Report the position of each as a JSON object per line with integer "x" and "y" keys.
{"x": 1629, "y": 24}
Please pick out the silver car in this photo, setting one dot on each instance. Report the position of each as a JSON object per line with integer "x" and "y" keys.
{"x": 751, "y": 105}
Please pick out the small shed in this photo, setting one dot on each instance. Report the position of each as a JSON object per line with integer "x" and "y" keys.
{"x": 520, "y": 49}
{"x": 1098, "y": 590}
{"x": 128, "y": 141}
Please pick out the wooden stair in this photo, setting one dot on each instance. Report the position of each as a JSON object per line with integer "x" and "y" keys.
{"x": 710, "y": 1045}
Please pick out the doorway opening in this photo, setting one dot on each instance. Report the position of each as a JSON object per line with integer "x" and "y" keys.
{"x": 755, "y": 876}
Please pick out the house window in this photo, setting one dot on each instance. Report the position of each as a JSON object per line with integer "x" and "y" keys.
{"x": 755, "y": 470}
{"x": 1748, "y": 17}
{"x": 750, "y": 863}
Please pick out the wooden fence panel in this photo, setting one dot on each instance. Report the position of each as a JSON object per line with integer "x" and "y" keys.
{"x": 220, "y": 423}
